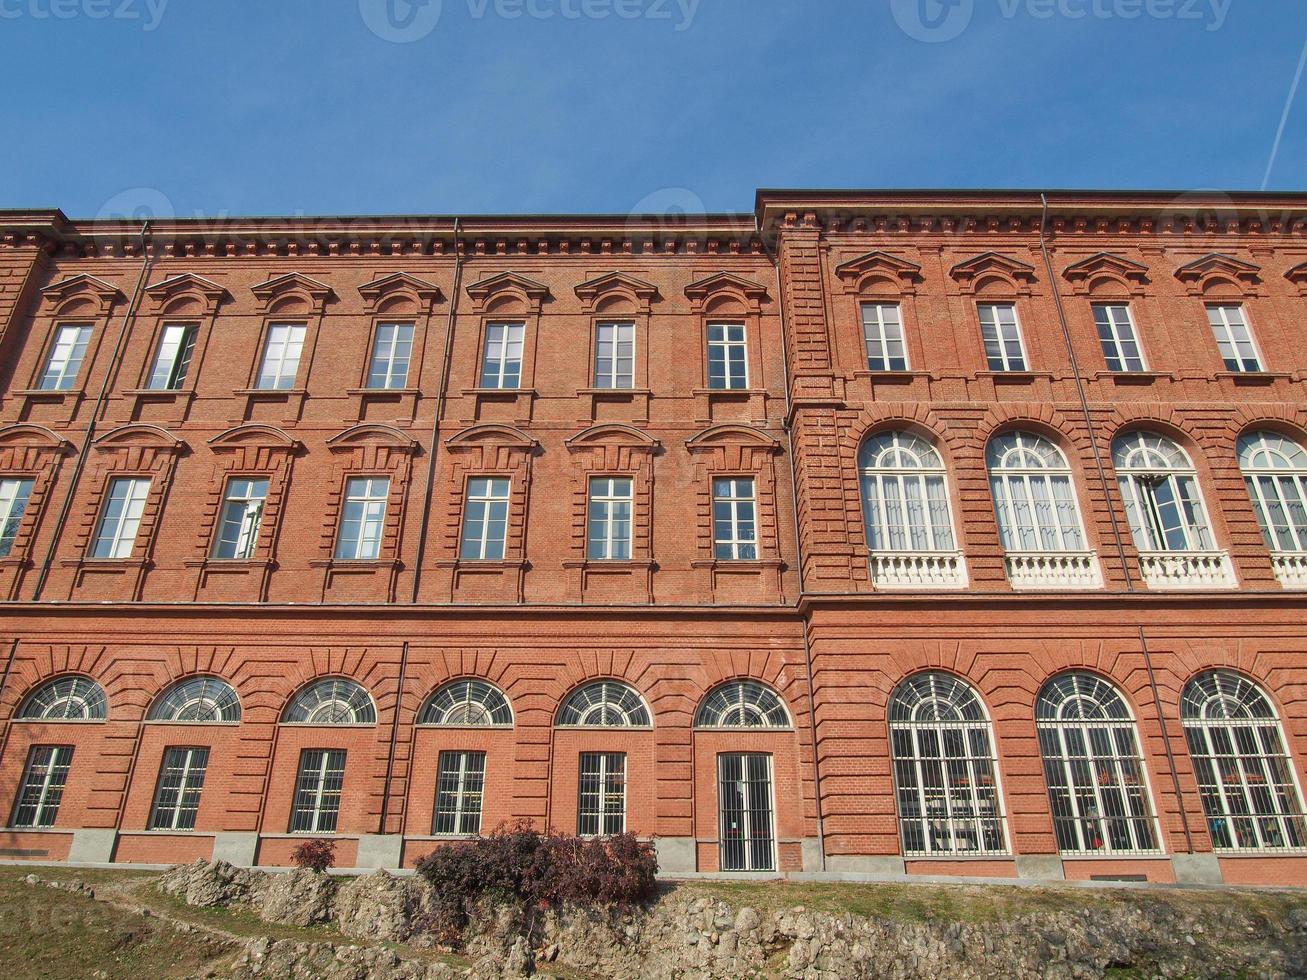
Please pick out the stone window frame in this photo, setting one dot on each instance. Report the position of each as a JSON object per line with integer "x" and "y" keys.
{"x": 616, "y": 297}
{"x": 726, "y": 298}
{"x": 884, "y": 278}
{"x": 291, "y": 298}
{"x": 32, "y": 452}
{"x": 395, "y": 298}
{"x": 507, "y": 296}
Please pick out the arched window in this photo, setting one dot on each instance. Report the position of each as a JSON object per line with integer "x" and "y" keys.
{"x": 66, "y": 699}
{"x": 904, "y": 495}
{"x": 198, "y": 699}
{"x": 1245, "y": 777}
{"x": 1275, "y": 470}
{"x": 1161, "y": 495}
{"x": 742, "y": 704}
{"x": 607, "y": 704}
{"x": 1033, "y": 495}
{"x": 945, "y": 773}
{"x": 331, "y": 701}
{"x": 1096, "y": 784}
{"x": 468, "y": 703}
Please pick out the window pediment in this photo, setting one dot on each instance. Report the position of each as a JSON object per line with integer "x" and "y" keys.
{"x": 206, "y": 291}
{"x": 255, "y": 435}
{"x": 28, "y": 435}
{"x": 725, "y": 284}
{"x": 976, "y": 271}
{"x": 532, "y": 292}
{"x": 140, "y": 435}
{"x": 102, "y": 293}
{"x": 423, "y": 293}
{"x": 612, "y": 434}
{"x": 1086, "y": 273}
{"x": 491, "y": 434}
{"x": 1202, "y": 274}
{"x": 619, "y": 283}
{"x": 1298, "y": 276}
{"x": 293, "y": 284}
{"x": 731, "y": 435}
{"x": 857, "y": 273}
{"x": 371, "y": 434}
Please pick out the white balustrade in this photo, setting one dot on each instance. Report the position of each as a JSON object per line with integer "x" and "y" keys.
{"x": 918, "y": 570}
{"x": 1291, "y": 568}
{"x": 1187, "y": 569}
{"x": 1053, "y": 570}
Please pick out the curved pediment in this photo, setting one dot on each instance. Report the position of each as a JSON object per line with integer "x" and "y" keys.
{"x": 254, "y": 434}
{"x": 1216, "y": 268}
{"x": 617, "y": 283}
{"x": 865, "y": 269}
{"x": 371, "y": 434}
{"x": 400, "y": 284}
{"x": 206, "y": 291}
{"x": 30, "y": 436}
{"x": 102, "y": 294}
{"x": 975, "y": 272}
{"x": 1298, "y": 276}
{"x": 611, "y": 434}
{"x": 731, "y": 434}
{"x": 531, "y": 292}
{"x": 491, "y": 434}
{"x": 1089, "y": 272}
{"x": 139, "y": 434}
{"x": 293, "y": 285}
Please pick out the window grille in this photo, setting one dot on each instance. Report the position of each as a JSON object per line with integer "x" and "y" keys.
{"x": 602, "y": 805}
{"x": 317, "y": 791}
{"x": 207, "y": 699}
{"x": 744, "y": 793}
{"x": 742, "y": 704}
{"x": 177, "y": 798}
{"x": 606, "y": 704}
{"x": 460, "y": 784}
{"x": 331, "y": 701}
{"x": 467, "y": 703}
{"x": 66, "y": 699}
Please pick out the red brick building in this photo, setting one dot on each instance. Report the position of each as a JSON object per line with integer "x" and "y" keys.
{"x": 868, "y": 533}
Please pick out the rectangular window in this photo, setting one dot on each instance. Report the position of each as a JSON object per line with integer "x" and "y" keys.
{"x": 609, "y": 518}
{"x": 65, "y": 359}
{"x": 1116, "y": 332}
{"x": 177, "y": 797}
{"x": 602, "y": 806}
{"x": 615, "y": 355}
{"x": 459, "y": 785}
{"x": 42, "y": 787}
{"x": 1002, "y": 335}
{"x": 485, "y": 519}
{"x": 1233, "y": 338}
{"x": 882, "y": 328}
{"x": 281, "y": 356}
{"x": 242, "y": 515}
{"x": 502, "y": 365}
{"x": 173, "y": 359}
{"x": 734, "y": 520}
{"x": 744, "y": 795}
{"x": 14, "y": 492}
{"x": 391, "y": 349}
{"x": 120, "y": 517}
{"x": 727, "y": 356}
{"x": 362, "y": 516}
{"x": 317, "y": 791}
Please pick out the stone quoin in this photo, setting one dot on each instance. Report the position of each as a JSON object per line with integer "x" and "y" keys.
{"x": 869, "y": 532}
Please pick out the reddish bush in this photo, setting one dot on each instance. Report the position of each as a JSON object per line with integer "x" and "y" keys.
{"x": 316, "y": 855}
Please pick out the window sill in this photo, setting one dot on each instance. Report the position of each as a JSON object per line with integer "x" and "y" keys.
{"x": 1254, "y": 378}
{"x": 356, "y": 564}
{"x": 616, "y": 564}
{"x": 610, "y": 392}
{"x": 730, "y": 392}
{"x": 107, "y": 564}
{"x": 49, "y": 394}
{"x": 499, "y": 392}
{"x": 229, "y": 564}
{"x": 490, "y": 564}
{"x": 1015, "y": 377}
{"x": 270, "y": 392}
{"x": 904, "y": 377}
{"x": 737, "y": 564}
{"x": 382, "y": 391}
{"x": 1134, "y": 377}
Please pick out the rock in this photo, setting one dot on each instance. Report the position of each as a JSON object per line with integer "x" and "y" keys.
{"x": 298, "y": 897}
{"x": 747, "y": 919}
{"x": 209, "y": 883}
{"x": 378, "y": 906}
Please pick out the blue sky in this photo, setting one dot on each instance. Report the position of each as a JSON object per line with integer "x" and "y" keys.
{"x": 311, "y": 106}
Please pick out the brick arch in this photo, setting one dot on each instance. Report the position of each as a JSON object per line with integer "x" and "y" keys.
{"x": 33, "y": 667}
{"x": 1127, "y": 419}
{"x": 173, "y": 682}
{"x": 335, "y": 675}
{"x": 429, "y": 690}
{"x": 1045, "y": 420}
{"x": 791, "y": 692}
{"x": 939, "y": 432}
{"x": 643, "y": 695}
{"x": 1135, "y": 694}
{"x": 36, "y": 684}
{"x": 284, "y": 678}
{"x": 1283, "y": 419}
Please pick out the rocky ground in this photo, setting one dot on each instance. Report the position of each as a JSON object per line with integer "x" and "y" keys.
{"x": 303, "y": 924}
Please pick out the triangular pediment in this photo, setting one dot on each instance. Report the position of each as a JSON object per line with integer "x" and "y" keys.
{"x": 1298, "y": 273}
{"x": 106, "y": 292}
{"x": 291, "y": 282}
{"x": 992, "y": 262}
{"x": 616, "y": 281}
{"x": 878, "y": 261}
{"x": 1217, "y": 263}
{"x": 400, "y": 282}
{"x": 1106, "y": 262}
{"x": 508, "y": 282}
{"x": 725, "y": 282}
{"x": 187, "y": 282}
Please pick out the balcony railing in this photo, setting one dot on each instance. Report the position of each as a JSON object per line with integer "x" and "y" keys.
{"x": 1187, "y": 569}
{"x": 1053, "y": 570}
{"x": 918, "y": 570}
{"x": 1291, "y": 568}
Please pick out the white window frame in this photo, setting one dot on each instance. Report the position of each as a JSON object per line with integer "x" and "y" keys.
{"x": 172, "y": 359}
{"x": 904, "y": 481}
{"x": 15, "y": 492}
{"x": 504, "y": 343}
{"x": 1114, "y": 332}
{"x": 67, "y": 355}
{"x": 1145, "y": 509}
{"x": 389, "y": 338}
{"x": 1226, "y": 332}
{"x": 747, "y": 813}
{"x": 315, "y": 805}
{"x": 70, "y": 693}
{"x": 242, "y": 513}
{"x": 607, "y": 770}
{"x": 187, "y": 766}
{"x": 49, "y": 782}
{"x": 604, "y": 704}
{"x": 619, "y": 333}
{"x": 367, "y": 497}
{"x": 1207, "y": 733}
{"x": 467, "y": 703}
{"x": 1097, "y": 760}
{"x": 484, "y": 497}
{"x": 115, "y": 537}
{"x": 742, "y": 704}
{"x": 881, "y": 334}
{"x": 1016, "y": 490}
{"x": 962, "y": 813}
{"x": 466, "y": 784}
{"x": 1006, "y": 360}
{"x": 603, "y": 494}
{"x": 199, "y": 700}
{"x": 331, "y": 701}
{"x": 1277, "y": 489}
{"x": 735, "y": 373}
{"x": 737, "y": 534}
{"x": 283, "y": 337}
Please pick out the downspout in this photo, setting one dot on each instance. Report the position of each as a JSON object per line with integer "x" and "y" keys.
{"x": 1111, "y": 510}
{"x": 798, "y": 543}
{"x": 394, "y": 739}
{"x": 96, "y": 411}
{"x": 433, "y": 447}
{"x": 4, "y": 682}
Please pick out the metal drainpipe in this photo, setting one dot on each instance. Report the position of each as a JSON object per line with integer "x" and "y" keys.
{"x": 394, "y": 740}
{"x": 798, "y": 543}
{"x": 82, "y": 453}
{"x": 1116, "y": 526}
{"x": 434, "y": 446}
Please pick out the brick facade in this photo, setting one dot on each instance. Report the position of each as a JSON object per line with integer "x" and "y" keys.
{"x": 807, "y": 616}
